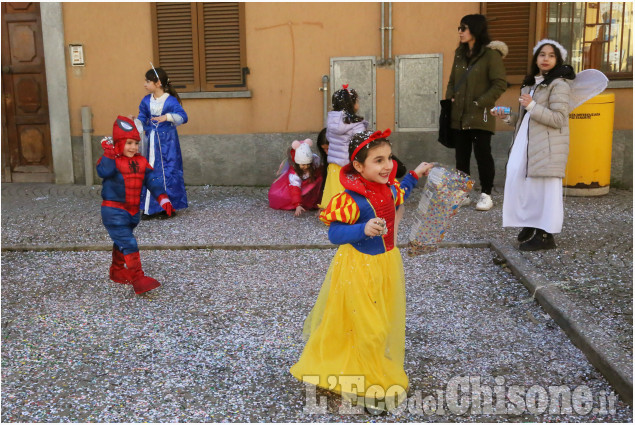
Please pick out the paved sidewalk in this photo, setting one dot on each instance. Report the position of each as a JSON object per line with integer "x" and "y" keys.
{"x": 497, "y": 329}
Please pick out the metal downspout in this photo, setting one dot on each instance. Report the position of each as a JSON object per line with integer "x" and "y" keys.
{"x": 383, "y": 38}
{"x": 389, "y": 28}
{"x": 325, "y": 97}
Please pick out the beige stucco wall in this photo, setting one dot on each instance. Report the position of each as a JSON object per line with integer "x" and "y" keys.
{"x": 117, "y": 47}
{"x": 288, "y": 50}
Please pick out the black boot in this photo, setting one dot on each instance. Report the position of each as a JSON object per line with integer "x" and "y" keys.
{"x": 541, "y": 240}
{"x": 526, "y": 234}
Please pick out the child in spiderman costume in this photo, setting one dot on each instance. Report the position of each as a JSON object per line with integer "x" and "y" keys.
{"x": 124, "y": 171}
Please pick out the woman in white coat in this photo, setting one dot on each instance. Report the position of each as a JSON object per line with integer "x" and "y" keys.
{"x": 538, "y": 156}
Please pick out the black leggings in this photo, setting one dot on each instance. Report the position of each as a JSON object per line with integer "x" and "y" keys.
{"x": 463, "y": 140}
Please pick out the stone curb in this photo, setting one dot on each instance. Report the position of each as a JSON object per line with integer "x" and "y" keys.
{"x": 609, "y": 359}
{"x": 163, "y": 247}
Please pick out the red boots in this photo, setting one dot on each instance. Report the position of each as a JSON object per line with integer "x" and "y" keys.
{"x": 118, "y": 271}
{"x": 133, "y": 274}
{"x": 140, "y": 282}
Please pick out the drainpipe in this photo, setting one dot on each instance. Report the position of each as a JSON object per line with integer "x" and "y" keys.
{"x": 389, "y": 28}
{"x": 381, "y": 30}
{"x": 325, "y": 97}
{"x": 87, "y": 130}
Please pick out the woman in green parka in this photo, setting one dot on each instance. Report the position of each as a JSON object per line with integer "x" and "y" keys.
{"x": 477, "y": 80}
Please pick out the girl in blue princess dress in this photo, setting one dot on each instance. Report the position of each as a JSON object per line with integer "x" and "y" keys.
{"x": 160, "y": 112}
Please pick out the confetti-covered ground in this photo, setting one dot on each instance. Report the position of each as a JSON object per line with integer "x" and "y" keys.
{"x": 592, "y": 264}
{"x": 215, "y": 342}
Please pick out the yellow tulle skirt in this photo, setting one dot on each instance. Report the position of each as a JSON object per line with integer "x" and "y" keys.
{"x": 332, "y": 186}
{"x": 355, "y": 332}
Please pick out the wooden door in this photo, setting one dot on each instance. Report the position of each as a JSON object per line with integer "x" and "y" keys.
{"x": 25, "y": 116}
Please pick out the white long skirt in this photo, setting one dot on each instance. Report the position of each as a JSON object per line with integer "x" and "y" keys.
{"x": 530, "y": 201}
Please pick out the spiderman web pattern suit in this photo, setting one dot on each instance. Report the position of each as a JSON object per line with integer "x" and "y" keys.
{"x": 123, "y": 179}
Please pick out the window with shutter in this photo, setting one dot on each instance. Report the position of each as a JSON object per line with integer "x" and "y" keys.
{"x": 201, "y": 45}
{"x": 515, "y": 25}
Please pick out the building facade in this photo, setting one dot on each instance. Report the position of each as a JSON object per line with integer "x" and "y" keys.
{"x": 253, "y": 77}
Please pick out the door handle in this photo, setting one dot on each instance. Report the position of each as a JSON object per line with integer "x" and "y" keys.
{"x": 6, "y": 69}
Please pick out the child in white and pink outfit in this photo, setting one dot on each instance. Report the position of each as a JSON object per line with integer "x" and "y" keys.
{"x": 298, "y": 187}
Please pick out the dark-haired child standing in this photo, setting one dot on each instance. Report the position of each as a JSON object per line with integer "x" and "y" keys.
{"x": 161, "y": 112}
{"x": 538, "y": 155}
{"x": 342, "y": 123}
{"x": 357, "y": 325}
{"x": 124, "y": 172}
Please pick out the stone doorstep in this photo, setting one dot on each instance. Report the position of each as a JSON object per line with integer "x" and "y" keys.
{"x": 614, "y": 364}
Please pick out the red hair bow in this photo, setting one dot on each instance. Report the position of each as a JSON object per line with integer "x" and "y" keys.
{"x": 345, "y": 86}
{"x": 376, "y": 135}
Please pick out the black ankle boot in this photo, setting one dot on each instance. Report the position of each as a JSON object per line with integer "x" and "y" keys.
{"x": 541, "y": 240}
{"x": 526, "y": 234}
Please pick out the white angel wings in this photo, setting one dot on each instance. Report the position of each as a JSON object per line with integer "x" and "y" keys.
{"x": 587, "y": 84}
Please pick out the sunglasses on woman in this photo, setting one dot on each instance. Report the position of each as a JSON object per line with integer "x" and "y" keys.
{"x": 462, "y": 28}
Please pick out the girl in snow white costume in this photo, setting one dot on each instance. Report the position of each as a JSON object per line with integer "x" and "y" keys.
{"x": 357, "y": 325}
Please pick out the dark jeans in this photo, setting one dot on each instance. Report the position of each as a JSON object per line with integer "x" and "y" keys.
{"x": 480, "y": 139}
{"x": 120, "y": 224}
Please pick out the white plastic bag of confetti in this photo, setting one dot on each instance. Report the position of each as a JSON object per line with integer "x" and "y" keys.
{"x": 442, "y": 195}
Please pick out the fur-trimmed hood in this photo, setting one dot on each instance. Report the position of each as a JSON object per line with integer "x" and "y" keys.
{"x": 499, "y": 46}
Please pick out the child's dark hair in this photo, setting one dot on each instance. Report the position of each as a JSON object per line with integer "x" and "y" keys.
{"x": 322, "y": 140}
{"x": 299, "y": 171}
{"x": 165, "y": 81}
{"x": 358, "y": 139}
{"x": 477, "y": 24}
{"x": 344, "y": 100}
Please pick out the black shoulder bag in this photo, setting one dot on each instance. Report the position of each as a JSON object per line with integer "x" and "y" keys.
{"x": 445, "y": 118}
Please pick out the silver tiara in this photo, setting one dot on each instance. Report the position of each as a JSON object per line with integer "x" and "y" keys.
{"x": 155, "y": 72}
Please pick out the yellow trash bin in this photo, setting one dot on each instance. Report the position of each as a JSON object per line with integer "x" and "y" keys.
{"x": 588, "y": 170}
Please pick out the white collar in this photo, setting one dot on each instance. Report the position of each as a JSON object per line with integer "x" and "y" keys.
{"x": 160, "y": 98}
